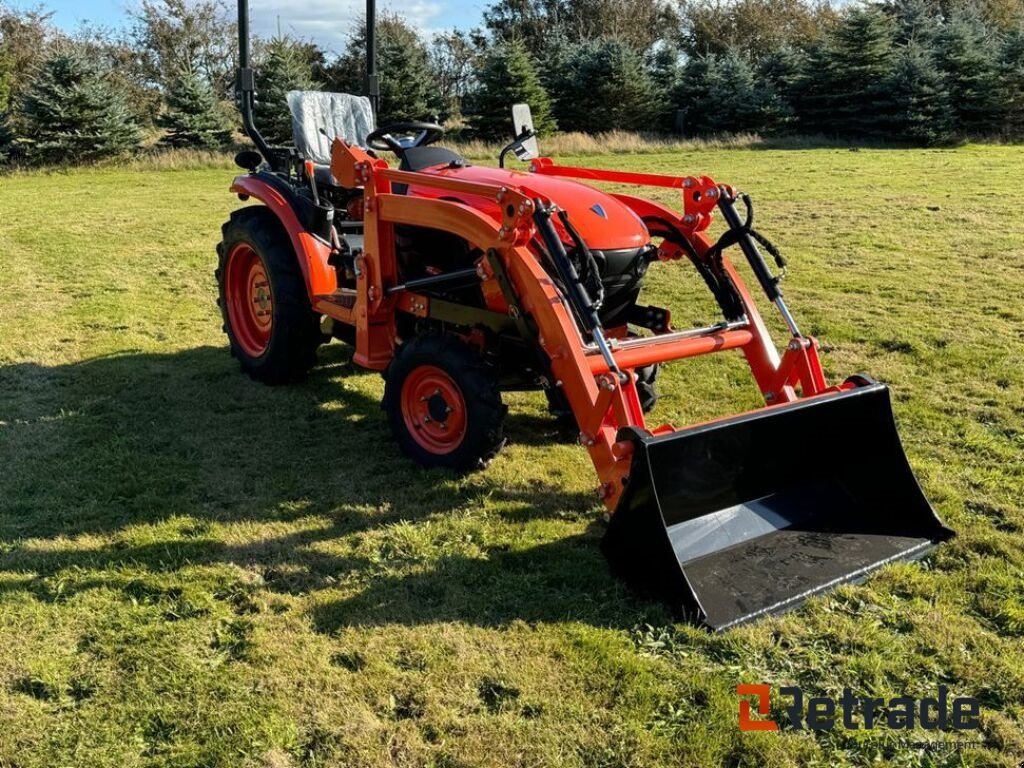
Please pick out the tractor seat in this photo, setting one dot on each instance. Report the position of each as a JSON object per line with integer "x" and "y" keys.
{"x": 320, "y": 118}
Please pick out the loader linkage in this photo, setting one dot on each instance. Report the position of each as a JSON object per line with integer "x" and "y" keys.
{"x": 460, "y": 282}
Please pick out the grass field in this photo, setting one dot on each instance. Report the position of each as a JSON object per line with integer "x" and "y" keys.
{"x": 196, "y": 570}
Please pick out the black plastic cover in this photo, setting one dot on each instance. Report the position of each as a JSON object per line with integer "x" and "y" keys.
{"x": 421, "y": 158}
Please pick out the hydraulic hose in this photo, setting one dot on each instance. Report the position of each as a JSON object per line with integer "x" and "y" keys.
{"x": 710, "y": 270}
{"x": 742, "y": 234}
{"x": 747, "y": 244}
{"x": 580, "y": 301}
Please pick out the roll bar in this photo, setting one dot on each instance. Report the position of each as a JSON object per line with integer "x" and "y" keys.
{"x": 246, "y": 84}
{"x": 372, "y": 78}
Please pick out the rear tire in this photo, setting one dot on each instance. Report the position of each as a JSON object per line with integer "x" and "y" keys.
{"x": 443, "y": 404}
{"x": 646, "y": 386}
{"x": 271, "y": 326}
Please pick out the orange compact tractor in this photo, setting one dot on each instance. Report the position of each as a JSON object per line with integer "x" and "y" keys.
{"x": 459, "y": 282}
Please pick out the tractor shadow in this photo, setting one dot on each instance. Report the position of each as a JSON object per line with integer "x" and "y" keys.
{"x": 92, "y": 451}
{"x": 566, "y": 580}
{"x": 533, "y": 430}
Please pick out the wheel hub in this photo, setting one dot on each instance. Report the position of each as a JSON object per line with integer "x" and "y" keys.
{"x": 249, "y": 299}
{"x": 438, "y": 407}
{"x": 434, "y": 409}
{"x": 259, "y": 290}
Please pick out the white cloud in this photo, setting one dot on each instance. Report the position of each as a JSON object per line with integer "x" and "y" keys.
{"x": 329, "y": 22}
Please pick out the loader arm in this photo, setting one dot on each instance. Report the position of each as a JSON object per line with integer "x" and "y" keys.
{"x": 605, "y": 403}
{"x": 604, "y": 407}
{"x": 743, "y": 516}
{"x": 704, "y": 516}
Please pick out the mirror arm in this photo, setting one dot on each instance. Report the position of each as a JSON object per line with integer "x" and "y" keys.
{"x": 516, "y": 142}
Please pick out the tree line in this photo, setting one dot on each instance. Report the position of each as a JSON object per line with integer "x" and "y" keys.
{"x": 910, "y": 71}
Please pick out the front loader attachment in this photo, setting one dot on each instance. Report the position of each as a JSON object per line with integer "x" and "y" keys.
{"x": 751, "y": 515}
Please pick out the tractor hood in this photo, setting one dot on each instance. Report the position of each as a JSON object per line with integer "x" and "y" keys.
{"x": 604, "y": 222}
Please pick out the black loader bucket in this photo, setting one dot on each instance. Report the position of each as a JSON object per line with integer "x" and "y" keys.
{"x": 751, "y": 515}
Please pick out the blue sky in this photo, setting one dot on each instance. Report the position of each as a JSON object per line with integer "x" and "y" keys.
{"x": 325, "y": 21}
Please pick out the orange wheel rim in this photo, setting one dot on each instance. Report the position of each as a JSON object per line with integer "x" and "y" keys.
{"x": 249, "y": 300}
{"x": 434, "y": 409}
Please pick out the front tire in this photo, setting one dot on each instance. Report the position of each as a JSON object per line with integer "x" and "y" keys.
{"x": 443, "y": 404}
{"x": 271, "y": 326}
{"x": 646, "y": 379}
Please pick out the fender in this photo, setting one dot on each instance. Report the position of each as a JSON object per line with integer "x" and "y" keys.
{"x": 311, "y": 251}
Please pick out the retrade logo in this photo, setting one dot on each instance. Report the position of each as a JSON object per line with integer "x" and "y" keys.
{"x": 851, "y": 712}
{"x": 763, "y": 692}
{"x": 599, "y": 210}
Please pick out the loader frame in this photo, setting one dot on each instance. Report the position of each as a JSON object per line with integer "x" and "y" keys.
{"x": 595, "y": 374}
{"x": 724, "y": 521}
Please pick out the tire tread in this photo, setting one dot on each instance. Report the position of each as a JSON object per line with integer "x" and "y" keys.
{"x": 291, "y": 353}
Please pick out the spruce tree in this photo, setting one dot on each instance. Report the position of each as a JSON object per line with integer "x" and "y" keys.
{"x": 966, "y": 54}
{"x": 738, "y": 100}
{"x": 859, "y": 68}
{"x": 284, "y": 68}
{"x": 810, "y": 92}
{"x": 781, "y": 69}
{"x": 918, "y": 88}
{"x": 553, "y": 52}
{"x": 665, "y": 70}
{"x": 408, "y": 90}
{"x": 607, "y": 88}
{"x": 507, "y": 76}
{"x": 691, "y": 95}
{"x": 71, "y": 113}
{"x": 727, "y": 94}
{"x": 193, "y": 117}
{"x": 1011, "y": 81}
{"x": 917, "y": 20}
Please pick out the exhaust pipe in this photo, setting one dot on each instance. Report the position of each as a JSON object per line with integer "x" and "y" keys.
{"x": 245, "y": 88}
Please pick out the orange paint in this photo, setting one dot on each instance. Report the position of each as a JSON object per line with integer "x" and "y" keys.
{"x": 492, "y": 209}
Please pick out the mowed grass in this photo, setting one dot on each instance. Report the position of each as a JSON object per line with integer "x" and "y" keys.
{"x": 197, "y": 570}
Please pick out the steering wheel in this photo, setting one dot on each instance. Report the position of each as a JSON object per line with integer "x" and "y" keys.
{"x": 409, "y": 134}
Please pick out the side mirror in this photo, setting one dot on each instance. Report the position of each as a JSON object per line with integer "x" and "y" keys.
{"x": 525, "y": 145}
{"x": 249, "y": 159}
